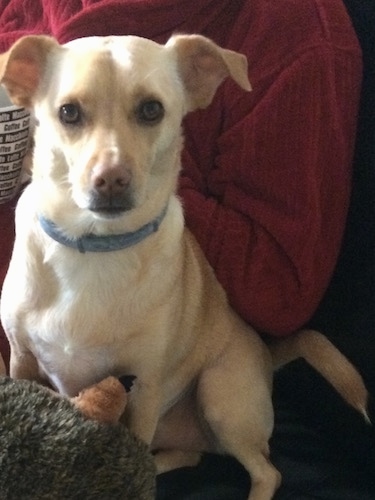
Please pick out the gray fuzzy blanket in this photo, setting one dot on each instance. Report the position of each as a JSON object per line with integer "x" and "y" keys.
{"x": 49, "y": 451}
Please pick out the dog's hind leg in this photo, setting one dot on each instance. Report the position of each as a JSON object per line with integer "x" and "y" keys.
{"x": 235, "y": 398}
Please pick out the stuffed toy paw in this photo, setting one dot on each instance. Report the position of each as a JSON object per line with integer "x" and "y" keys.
{"x": 55, "y": 448}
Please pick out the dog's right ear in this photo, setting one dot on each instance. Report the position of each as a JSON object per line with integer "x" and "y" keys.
{"x": 22, "y": 67}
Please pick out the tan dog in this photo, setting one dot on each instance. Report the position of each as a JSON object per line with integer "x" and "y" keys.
{"x": 107, "y": 159}
{"x": 2, "y": 366}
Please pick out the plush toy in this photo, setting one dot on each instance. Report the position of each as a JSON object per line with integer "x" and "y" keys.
{"x": 55, "y": 448}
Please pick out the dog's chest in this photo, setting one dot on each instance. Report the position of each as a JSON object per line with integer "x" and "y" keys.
{"x": 71, "y": 366}
{"x": 86, "y": 326}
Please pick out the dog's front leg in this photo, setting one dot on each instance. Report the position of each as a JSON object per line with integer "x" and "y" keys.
{"x": 23, "y": 365}
{"x": 143, "y": 410}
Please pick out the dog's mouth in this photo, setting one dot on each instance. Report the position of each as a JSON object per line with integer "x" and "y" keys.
{"x": 108, "y": 213}
{"x": 110, "y": 207}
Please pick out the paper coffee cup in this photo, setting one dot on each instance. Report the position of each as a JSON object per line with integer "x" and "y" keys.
{"x": 14, "y": 140}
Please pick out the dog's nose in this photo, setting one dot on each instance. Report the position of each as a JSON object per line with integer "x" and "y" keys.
{"x": 110, "y": 180}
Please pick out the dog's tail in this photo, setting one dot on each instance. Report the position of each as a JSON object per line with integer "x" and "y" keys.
{"x": 322, "y": 355}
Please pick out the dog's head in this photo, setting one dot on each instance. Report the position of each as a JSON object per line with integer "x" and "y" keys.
{"x": 109, "y": 113}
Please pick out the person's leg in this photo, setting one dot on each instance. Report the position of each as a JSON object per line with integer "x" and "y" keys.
{"x": 323, "y": 449}
{"x": 314, "y": 458}
{"x": 216, "y": 477}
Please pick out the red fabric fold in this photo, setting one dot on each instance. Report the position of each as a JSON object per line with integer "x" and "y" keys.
{"x": 155, "y": 19}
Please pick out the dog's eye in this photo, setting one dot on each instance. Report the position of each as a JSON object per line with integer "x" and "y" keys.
{"x": 70, "y": 114}
{"x": 150, "y": 112}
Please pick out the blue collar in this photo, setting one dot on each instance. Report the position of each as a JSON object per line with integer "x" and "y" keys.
{"x": 108, "y": 243}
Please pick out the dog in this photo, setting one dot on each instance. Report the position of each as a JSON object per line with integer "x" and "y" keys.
{"x": 106, "y": 280}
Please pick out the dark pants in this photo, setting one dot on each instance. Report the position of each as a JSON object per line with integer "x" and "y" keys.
{"x": 322, "y": 453}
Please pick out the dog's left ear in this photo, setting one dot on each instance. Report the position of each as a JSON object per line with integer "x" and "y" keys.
{"x": 203, "y": 65}
{"x": 22, "y": 67}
